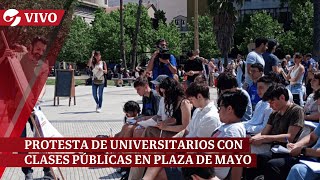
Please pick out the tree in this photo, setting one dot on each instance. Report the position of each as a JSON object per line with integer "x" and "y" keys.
{"x": 106, "y": 30}
{"x": 316, "y": 29}
{"x": 261, "y": 25}
{"x": 196, "y": 25}
{"x": 122, "y": 50}
{"x": 78, "y": 45}
{"x": 303, "y": 27}
{"x": 171, "y": 34}
{"x": 207, "y": 43}
{"x": 135, "y": 36}
{"x": 159, "y": 15}
{"x": 224, "y": 14}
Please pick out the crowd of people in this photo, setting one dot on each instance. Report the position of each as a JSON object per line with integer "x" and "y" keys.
{"x": 270, "y": 103}
{"x": 262, "y": 98}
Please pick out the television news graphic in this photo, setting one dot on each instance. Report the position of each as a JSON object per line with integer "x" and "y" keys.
{"x": 14, "y": 17}
{"x": 116, "y": 152}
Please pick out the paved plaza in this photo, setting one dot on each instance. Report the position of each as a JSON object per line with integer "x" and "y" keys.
{"x": 81, "y": 120}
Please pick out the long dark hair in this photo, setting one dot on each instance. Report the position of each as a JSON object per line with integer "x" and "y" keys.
{"x": 94, "y": 60}
{"x": 173, "y": 93}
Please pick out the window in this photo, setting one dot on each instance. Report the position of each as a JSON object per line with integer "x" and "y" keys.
{"x": 176, "y": 21}
{"x": 183, "y": 22}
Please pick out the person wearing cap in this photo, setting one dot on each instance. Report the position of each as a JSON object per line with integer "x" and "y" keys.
{"x": 161, "y": 112}
{"x": 271, "y": 60}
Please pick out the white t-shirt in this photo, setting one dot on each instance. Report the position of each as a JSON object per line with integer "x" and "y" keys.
{"x": 235, "y": 130}
{"x": 252, "y": 58}
{"x": 204, "y": 121}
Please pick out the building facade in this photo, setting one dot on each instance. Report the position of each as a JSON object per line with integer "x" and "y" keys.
{"x": 181, "y": 23}
{"x": 274, "y": 7}
{"x": 86, "y": 8}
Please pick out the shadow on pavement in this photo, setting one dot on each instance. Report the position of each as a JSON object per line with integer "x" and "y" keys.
{"x": 83, "y": 112}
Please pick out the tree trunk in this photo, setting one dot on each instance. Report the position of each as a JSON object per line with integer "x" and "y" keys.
{"x": 225, "y": 62}
{"x": 122, "y": 49}
{"x": 316, "y": 30}
{"x": 135, "y": 37}
{"x": 196, "y": 25}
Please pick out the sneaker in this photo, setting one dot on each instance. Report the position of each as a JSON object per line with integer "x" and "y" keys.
{"x": 97, "y": 107}
{"x": 48, "y": 176}
{"x": 29, "y": 176}
{"x": 99, "y": 110}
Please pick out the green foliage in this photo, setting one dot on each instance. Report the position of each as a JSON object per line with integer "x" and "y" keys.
{"x": 78, "y": 45}
{"x": 303, "y": 27}
{"x": 287, "y": 42}
{"x": 106, "y": 29}
{"x": 207, "y": 42}
{"x": 171, "y": 34}
{"x": 160, "y": 15}
{"x": 261, "y": 25}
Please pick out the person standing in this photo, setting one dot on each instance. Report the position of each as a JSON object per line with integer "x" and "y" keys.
{"x": 253, "y": 57}
{"x": 193, "y": 67}
{"x": 160, "y": 66}
{"x": 295, "y": 77}
{"x": 99, "y": 68}
{"x": 271, "y": 60}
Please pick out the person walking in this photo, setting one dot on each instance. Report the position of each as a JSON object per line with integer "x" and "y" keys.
{"x": 99, "y": 68}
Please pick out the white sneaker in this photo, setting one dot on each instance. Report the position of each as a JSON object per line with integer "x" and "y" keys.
{"x": 99, "y": 110}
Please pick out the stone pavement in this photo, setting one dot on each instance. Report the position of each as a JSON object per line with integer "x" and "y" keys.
{"x": 81, "y": 120}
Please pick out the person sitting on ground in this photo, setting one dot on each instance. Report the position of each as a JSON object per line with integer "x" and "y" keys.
{"x": 177, "y": 107}
{"x": 228, "y": 82}
{"x": 311, "y": 106}
{"x": 204, "y": 121}
{"x": 150, "y": 105}
{"x": 284, "y": 125}
{"x": 132, "y": 111}
{"x": 256, "y": 72}
{"x": 232, "y": 106}
{"x": 305, "y": 149}
{"x": 263, "y": 110}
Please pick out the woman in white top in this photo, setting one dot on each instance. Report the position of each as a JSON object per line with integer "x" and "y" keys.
{"x": 99, "y": 68}
{"x": 295, "y": 77}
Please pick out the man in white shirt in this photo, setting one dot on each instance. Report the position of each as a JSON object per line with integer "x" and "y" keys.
{"x": 255, "y": 57}
{"x": 204, "y": 121}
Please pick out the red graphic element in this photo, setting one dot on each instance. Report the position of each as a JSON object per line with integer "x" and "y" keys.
{"x": 21, "y": 84}
{"x": 13, "y": 17}
{"x": 225, "y": 145}
{"x": 129, "y": 160}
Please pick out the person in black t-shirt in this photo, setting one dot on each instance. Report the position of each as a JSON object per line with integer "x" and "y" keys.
{"x": 193, "y": 67}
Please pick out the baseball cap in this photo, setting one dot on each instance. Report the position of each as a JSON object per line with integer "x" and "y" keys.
{"x": 159, "y": 79}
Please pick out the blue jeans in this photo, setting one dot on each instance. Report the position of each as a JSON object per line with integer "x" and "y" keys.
{"x": 95, "y": 87}
{"x": 301, "y": 172}
{"x": 297, "y": 89}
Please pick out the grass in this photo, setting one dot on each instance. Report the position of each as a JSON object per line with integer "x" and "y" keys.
{"x": 77, "y": 82}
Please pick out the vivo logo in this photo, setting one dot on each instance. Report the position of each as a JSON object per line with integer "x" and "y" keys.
{"x": 13, "y": 17}
{"x": 43, "y": 17}
{"x": 10, "y": 16}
